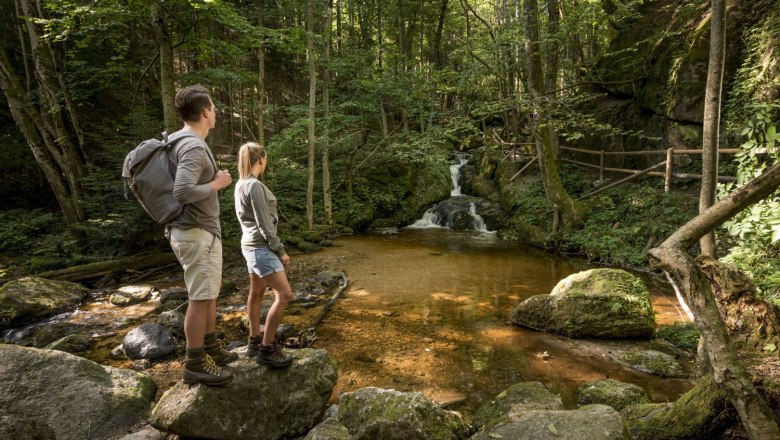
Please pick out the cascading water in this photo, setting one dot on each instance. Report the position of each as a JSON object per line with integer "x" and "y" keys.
{"x": 455, "y": 176}
{"x": 458, "y": 212}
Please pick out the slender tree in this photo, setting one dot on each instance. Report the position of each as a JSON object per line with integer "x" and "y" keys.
{"x": 312, "y": 111}
{"x": 570, "y": 210}
{"x": 712, "y": 100}
{"x": 261, "y": 76}
{"x": 326, "y": 189}
{"x": 167, "y": 85}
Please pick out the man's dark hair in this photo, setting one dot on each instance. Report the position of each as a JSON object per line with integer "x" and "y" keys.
{"x": 190, "y": 101}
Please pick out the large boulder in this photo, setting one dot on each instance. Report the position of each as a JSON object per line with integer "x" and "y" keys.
{"x": 149, "y": 341}
{"x": 611, "y": 392}
{"x": 260, "y": 403}
{"x": 377, "y": 414}
{"x": 75, "y": 397}
{"x": 16, "y": 427}
{"x": 31, "y": 299}
{"x": 598, "y": 303}
{"x": 590, "y": 422}
{"x": 517, "y": 398}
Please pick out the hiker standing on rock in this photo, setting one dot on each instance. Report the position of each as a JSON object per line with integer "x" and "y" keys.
{"x": 196, "y": 237}
{"x": 264, "y": 254}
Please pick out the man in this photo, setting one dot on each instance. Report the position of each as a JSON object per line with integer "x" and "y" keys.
{"x": 196, "y": 237}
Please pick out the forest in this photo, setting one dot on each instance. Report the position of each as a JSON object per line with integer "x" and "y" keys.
{"x": 634, "y": 135}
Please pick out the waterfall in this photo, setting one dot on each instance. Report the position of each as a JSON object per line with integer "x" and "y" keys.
{"x": 477, "y": 220}
{"x": 455, "y": 176}
{"x": 459, "y": 212}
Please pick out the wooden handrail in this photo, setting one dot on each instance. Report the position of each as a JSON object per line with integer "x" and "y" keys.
{"x": 652, "y": 152}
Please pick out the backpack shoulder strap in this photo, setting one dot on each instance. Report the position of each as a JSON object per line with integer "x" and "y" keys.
{"x": 170, "y": 141}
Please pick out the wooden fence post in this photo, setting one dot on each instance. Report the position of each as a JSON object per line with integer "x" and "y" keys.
{"x": 668, "y": 176}
{"x": 601, "y": 165}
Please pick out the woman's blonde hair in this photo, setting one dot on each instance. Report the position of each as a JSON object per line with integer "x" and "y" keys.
{"x": 249, "y": 154}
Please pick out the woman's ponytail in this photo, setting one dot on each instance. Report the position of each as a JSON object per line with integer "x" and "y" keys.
{"x": 249, "y": 154}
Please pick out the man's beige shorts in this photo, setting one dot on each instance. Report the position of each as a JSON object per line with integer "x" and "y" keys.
{"x": 200, "y": 255}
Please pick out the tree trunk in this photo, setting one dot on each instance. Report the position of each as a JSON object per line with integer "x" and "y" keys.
{"x": 261, "y": 78}
{"x": 571, "y": 210}
{"x": 167, "y": 86}
{"x": 439, "y": 57}
{"x": 750, "y": 321}
{"x": 712, "y": 98}
{"x": 553, "y": 48}
{"x": 379, "y": 33}
{"x": 326, "y": 190}
{"x": 312, "y": 110}
{"x": 672, "y": 257}
{"x": 43, "y": 125}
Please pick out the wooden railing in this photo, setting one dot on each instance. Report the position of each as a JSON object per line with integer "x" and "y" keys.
{"x": 667, "y": 174}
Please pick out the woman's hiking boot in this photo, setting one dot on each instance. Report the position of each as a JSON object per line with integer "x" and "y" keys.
{"x": 273, "y": 356}
{"x": 253, "y": 347}
{"x": 199, "y": 367}
{"x": 214, "y": 348}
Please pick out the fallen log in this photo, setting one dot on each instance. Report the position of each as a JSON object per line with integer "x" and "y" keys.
{"x": 102, "y": 268}
{"x": 344, "y": 284}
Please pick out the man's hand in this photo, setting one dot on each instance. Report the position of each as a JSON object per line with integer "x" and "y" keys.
{"x": 221, "y": 180}
{"x": 285, "y": 259}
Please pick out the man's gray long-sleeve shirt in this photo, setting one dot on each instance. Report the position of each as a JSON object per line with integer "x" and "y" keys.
{"x": 195, "y": 170}
{"x": 257, "y": 214}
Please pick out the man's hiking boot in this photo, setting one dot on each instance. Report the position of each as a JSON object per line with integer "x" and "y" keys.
{"x": 253, "y": 347}
{"x": 214, "y": 349}
{"x": 201, "y": 368}
{"x": 273, "y": 356}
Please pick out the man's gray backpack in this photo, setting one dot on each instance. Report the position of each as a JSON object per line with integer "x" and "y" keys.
{"x": 149, "y": 173}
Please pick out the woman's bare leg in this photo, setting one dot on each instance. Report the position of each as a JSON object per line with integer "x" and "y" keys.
{"x": 281, "y": 287}
{"x": 254, "y": 303}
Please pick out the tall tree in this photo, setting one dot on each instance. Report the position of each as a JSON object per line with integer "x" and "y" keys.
{"x": 312, "y": 111}
{"x": 167, "y": 85}
{"x": 712, "y": 100}
{"x": 570, "y": 210}
{"x": 261, "y": 76}
{"x": 326, "y": 190}
{"x": 48, "y": 123}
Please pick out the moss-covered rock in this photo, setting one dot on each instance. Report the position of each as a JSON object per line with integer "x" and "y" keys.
{"x": 600, "y": 303}
{"x": 75, "y": 397}
{"x": 590, "y": 422}
{"x": 259, "y": 402}
{"x": 482, "y": 187}
{"x": 702, "y": 413}
{"x": 611, "y": 392}
{"x": 517, "y": 398}
{"x": 311, "y": 236}
{"x": 306, "y": 247}
{"x": 27, "y": 300}
{"x": 73, "y": 344}
{"x": 683, "y": 336}
{"x": 654, "y": 362}
{"x": 374, "y": 413}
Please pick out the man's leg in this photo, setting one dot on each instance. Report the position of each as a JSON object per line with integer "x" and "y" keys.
{"x": 212, "y": 345}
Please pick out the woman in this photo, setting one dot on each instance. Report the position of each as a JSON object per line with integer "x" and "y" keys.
{"x": 264, "y": 253}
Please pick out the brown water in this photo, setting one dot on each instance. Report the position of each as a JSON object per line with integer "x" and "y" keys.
{"x": 428, "y": 311}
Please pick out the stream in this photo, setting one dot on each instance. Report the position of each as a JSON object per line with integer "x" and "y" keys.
{"x": 428, "y": 311}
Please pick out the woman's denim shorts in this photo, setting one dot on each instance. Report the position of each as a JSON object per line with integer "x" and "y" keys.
{"x": 262, "y": 261}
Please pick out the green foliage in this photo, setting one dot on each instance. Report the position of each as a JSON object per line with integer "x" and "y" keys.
{"x": 20, "y": 229}
{"x": 626, "y": 221}
{"x": 755, "y": 232}
{"x": 683, "y": 336}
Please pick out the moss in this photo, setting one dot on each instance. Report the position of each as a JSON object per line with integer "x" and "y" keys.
{"x": 610, "y": 392}
{"x": 702, "y": 413}
{"x": 654, "y": 362}
{"x": 683, "y": 336}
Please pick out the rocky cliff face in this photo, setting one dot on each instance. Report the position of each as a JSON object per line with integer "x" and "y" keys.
{"x": 655, "y": 70}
